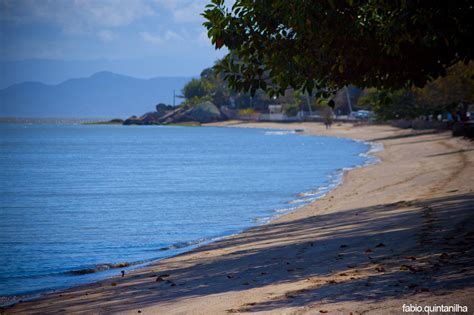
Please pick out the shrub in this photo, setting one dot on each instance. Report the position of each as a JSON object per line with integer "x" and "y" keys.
{"x": 292, "y": 110}
{"x": 247, "y": 112}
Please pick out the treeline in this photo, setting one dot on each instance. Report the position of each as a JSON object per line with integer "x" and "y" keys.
{"x": 211, "y": 86}
{"x": 400, "y": 48}
{"x": 452, "y": 94}
{"x": 449, "y": 94}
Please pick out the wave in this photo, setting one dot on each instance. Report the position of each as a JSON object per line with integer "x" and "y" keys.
{"x": 99, "y": 268}
{"x": 369, "y": 155}
{"x": 334, "y": 180}
{"x": 300, "y": 200}
{"x": 304, "y": 198}
{"x": 279, "y": 132}
{"x": 180, "y": 245}
{"x": 109, "y": 266}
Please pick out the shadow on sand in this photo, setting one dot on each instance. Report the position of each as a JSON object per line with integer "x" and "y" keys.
{"x": 365, "y": 254}
{"x": 411, "y": 134}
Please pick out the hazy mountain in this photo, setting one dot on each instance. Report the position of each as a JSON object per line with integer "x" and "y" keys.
{"x": 52, "y": 71}
{"x": 104, "y": 94}
{"x": 47, "y": 71}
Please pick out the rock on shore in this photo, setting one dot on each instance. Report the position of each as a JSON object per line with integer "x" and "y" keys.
{"x": 202, "y": 113}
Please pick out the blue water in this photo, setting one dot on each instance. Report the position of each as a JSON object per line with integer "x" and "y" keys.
{"x": 74, "y": 197}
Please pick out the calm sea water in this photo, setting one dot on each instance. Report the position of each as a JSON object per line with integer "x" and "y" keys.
{"x": 76, "y": 198}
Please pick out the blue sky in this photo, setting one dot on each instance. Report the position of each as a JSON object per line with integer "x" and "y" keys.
{"x": 147, "y": 37}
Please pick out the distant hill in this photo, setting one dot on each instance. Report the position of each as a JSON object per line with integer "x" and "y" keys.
{"x": 104, "y": 94}
{"x": 54, "y": 71}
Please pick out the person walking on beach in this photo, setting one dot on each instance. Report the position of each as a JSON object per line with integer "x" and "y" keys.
{"x": 327, "y": 115}
{"x": 328, "y": 122}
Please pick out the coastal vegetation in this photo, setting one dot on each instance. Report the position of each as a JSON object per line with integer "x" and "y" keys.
{"x": 451, "y": 93}
{"x": 212, "y": 86}
{"x": 211, "y": 93}
{"x": 399, "y": 60}
{"x": 409, "y": 58}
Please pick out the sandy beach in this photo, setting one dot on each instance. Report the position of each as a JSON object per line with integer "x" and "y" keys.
{"x": 397, "y": 232}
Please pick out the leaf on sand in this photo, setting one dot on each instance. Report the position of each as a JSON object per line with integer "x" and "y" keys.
{"x": 161, "y": 277}
{"x": 409, "y": 268}
{"x": 380, "y": 269}
{"x": 443, "y": 256}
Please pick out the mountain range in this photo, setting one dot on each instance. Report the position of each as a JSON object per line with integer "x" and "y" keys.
{"x": 104, "y": 94}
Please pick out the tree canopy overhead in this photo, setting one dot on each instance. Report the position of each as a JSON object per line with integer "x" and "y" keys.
{"x": 308, "y": 44}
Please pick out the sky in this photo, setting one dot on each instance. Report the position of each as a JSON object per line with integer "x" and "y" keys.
{"x": 142, "y": 38}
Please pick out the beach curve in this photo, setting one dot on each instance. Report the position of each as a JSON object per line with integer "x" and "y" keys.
{"x": 345, "y": 252}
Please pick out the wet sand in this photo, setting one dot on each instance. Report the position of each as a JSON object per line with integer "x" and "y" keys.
{"x": 394, "y": 233}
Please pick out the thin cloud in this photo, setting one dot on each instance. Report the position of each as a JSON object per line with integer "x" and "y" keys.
{"x": 78, "y": 15}
{"x": 107, "y": 35}
{"x": 184, "y": 11}
{"x": 90, "y": 29}
{"x": 168, "y": 36}
{"x": 150, "y": 38}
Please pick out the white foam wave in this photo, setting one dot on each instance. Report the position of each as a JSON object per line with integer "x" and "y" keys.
{"x": 370, "y": 158}
{"x": 279, "y": 132}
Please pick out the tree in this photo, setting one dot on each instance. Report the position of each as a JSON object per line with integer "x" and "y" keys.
{"x": 196, "y": 88}
{"x": 308, "y": 44}
{"x": 394, "y": 104}
{"x": 211, "y": 86}
{"x": 451, "y": 93}
{"x": 448, "y": 92}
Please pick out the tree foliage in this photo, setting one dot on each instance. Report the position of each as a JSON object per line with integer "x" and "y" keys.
{"x": 196, "y": 89}
{"x": 445, "y": 94}
{"x": 211, "y": 86}
{"x": 307, "y": 44}
{"x": 393, "y": 104}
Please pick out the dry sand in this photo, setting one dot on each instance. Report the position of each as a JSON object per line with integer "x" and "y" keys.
{"x": 394, "y": 233}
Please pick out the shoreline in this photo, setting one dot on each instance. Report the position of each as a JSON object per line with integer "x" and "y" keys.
{"x": 292, "y": 279}
{"x": 335, "y": 180}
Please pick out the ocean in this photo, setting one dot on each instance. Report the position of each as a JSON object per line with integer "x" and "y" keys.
{"x": 82, "y": 202}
